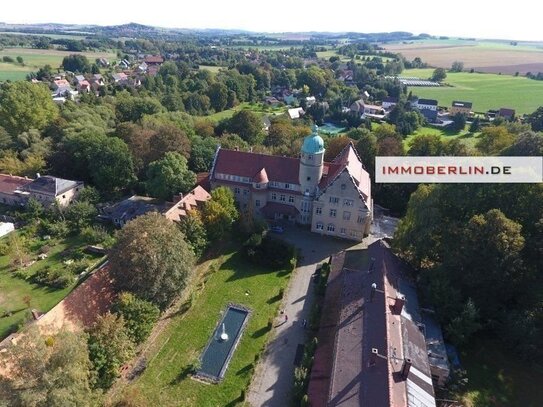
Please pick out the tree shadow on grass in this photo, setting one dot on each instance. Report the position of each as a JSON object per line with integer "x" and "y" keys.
{"x": 245, "y": 369}
{"x": 242, "y": 268}
{"x": 237, "y": 401}
{"x": 262, "y": 331}
{"x": 183, "y": 374}
{"x": 274, "y": 299}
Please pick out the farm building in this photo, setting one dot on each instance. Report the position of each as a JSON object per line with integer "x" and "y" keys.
{"x": 460, "y": 107}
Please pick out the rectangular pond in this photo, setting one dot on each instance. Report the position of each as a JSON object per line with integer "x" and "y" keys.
{"x": 221, "y": 347}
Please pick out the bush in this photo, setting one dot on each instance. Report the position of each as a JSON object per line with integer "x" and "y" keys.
{"x": 95, "y": 234}
{"x": 267, "y": 251}
{"x": 58, "y": 229}
{"x": 139, "y": 316}
{"x": 54, "y": 278}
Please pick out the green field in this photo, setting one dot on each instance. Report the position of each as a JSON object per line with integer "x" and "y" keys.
{"x": 466, "y": 138}
{"x": 213, "y": 69}
{"x": 53, "y": 36}
{"x": 497, "y": 378}
{"x": 331, "y": 53}
{"x": 34, "y": 59}
{"x": 13, "y": 289}
{"x": 167, "y": 381}
{"x": 485, "y": 91}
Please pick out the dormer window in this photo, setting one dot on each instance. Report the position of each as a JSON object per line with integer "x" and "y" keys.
{"x": 310, "y": 157}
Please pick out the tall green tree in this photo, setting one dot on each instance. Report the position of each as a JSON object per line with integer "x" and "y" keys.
{"x": 25, "y": 106}
{"x": 439, "y": 75}
{"x": 76, "y": 63}
{"x": 195, "y": 232}
{"x": 248, "y": 126}
{"x": 151, "y": 259}
{"x": 220, "y": 213}
{"x": 168, "y": 176}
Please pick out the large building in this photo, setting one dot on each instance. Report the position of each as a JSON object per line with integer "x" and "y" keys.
{"x": 334, "y": 198}
{"x": 375, "y": 348}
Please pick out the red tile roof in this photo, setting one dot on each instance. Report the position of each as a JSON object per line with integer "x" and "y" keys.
{"x": 261, "y": 177}
{"x": 244, "y": 164}
{"x": 154, "y": 60}
{"x": 9, "y": 183}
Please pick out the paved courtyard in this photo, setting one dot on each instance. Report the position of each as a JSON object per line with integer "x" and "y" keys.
{"x": 273, "y": 378}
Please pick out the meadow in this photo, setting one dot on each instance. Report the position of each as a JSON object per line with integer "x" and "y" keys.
{"x": 485, "y": 91}
{"x": 229, "y": 278}
{"x": 34, "y": 59}
{"x": 482, "y": 56}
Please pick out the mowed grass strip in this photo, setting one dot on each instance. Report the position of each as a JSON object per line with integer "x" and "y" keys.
{"x": 485, "y": 91}
{"x": 167, "y": 382}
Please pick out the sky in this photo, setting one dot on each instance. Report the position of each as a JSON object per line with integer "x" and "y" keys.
{"x": 518, "y": 20}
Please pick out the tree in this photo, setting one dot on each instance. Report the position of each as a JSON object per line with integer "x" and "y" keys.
{"x": 76, "y": 63}
{"x": 527, "y": 144}
{"x": 139, "y": 316}
{"x": 535, "y": 119}
{"x": 425, "y": 145}
{"x": 457, "y": 66}
{"x": 49, "y": 371}
{"x": 367, "y": 150}
{"x": 280, "y": 133}
{"x": 195, "y": 232}
{"x": 168, "y": 138}
{"x": 169, "y": 176}
{"x": 129, "y": 108}
{"x": 17, "y": 250}
{"x": 219, "y": 213}
{"x": 439, "y": 75}
{"x": 202, "y": 153}
{"x": 247, "y": 125}
{"x": 25, "y": 106}
{"x": 218, "y": 96}
{"x": 493, "y": 139}
{"x": 462, "y": 327}
{"x": 151, "y": 259}
{"x": 80, "y": 214}
{"x": 475, "y": 125}
{"x": 335, "y": 146}
{"x": 110, "y": 346}
{"x": 458, "y": 122}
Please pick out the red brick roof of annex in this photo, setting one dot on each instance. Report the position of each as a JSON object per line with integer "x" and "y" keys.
{"x": 10, "y": 183}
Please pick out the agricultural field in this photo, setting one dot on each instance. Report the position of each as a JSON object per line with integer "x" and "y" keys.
{"x": 229, "y": 278}
{"x": 466, "y": 138}
{"x": 33, "y": 59}
{"x": 482, "y": 56}
{"x": 485, "y": 91}
{"x": 13, "y": 289}
{"x": 53, "y": 36}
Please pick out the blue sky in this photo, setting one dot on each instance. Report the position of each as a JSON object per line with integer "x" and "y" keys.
{"x": 518, "y": 20}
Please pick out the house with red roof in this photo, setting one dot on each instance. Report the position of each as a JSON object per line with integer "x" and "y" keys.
{"x": 333, "y": 198}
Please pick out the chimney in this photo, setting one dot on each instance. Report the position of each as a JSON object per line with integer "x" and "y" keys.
{"x": 399, "y": 303}
{"x": 405, "y": 368}
{"x": 373, "y": 356}
{"x": 373, "y": 289}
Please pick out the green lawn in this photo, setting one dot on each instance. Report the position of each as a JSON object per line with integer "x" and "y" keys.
{"x": 485, "y": 91}
{"x": 34, "y": 59}
{"x": 464, "y": 136}
{"x": 496, "y": 377}
{"x": 213, "y": 69}
{"x": 166, "y": 381}
{"x": 257, "y": 108}
{"x": 13, "y": 289}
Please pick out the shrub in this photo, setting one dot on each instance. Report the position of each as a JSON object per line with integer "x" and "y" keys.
{"x": 139, "y": 316}
{"x": 54, "y": 278}
{"x": 95, "y": 234}
{"x": 267, "y": 251}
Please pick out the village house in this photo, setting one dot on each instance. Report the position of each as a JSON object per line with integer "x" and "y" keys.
{"x": 153, "y": 60}
{"x": 123, "y": 212}
{"x": 507, "y": 113}
{"x": 295, "y": 113}
{"x": 389, "y": 102}
{"x": 332, "y": 198}
{"x": 363, "y": 110}
{"x": 120, "y": 78}
{"x": 47, "y": 190}
{"x": 460, "y": 107}
{"x": 428, "y": 108}
{"x": 372, "y": 349}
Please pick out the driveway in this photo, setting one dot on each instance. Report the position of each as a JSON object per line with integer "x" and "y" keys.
{"x": 273, "y": 379}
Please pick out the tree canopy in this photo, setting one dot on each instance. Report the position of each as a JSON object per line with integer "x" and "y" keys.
{"x": 169, "y": 176}
{"x": 151, "y": 259}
